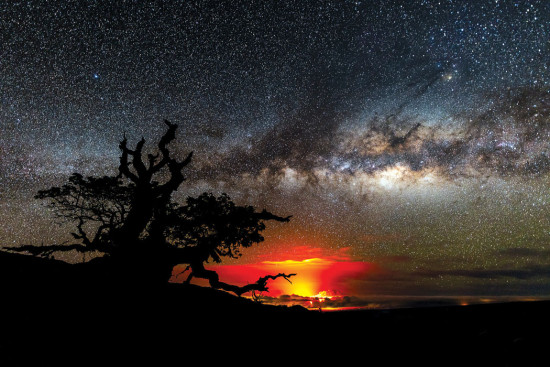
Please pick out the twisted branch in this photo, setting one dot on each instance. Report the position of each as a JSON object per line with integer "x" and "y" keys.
{"x": 198, "y": 270}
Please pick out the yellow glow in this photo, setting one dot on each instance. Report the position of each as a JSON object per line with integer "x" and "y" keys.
{"x": 322, "y": 296}
{"x": 307, "y": 282}
{"x": 304, "y": 288}
{"x": 309, "y": 262}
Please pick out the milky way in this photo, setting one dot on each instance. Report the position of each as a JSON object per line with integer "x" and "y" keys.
{"x": 411, "y": 134}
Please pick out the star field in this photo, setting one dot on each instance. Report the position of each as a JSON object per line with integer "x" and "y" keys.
{"x": 412, "y": 134}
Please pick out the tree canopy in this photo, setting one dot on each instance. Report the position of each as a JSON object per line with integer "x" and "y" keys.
{"x": 134, "y": 222}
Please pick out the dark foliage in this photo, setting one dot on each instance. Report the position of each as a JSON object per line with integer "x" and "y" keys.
{"x": 141, "y": 233}
{"x": 102, "y": 202}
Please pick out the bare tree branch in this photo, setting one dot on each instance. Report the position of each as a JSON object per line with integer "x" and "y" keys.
{"x": 198, "y": 271}
{"x": 265, "y": 215}
{"x": 137, "y": 162}
{"x": 50, "y": 249}
{"x": 124, "y": 168}
{"x": 81, "y": 235}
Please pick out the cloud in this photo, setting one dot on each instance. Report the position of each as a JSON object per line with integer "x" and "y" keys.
{"x": 305, "y": 252}
{"x": 528, "y": 272}
{"x": 525, "y": 252}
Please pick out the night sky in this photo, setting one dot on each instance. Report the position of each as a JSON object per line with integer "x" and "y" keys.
{"x": 412, "y": 137}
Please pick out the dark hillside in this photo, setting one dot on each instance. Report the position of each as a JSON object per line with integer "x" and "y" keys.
{"x": 42, "y": 296}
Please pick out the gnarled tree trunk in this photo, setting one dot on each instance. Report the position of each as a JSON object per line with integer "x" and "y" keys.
{"x": 149, "y": 203}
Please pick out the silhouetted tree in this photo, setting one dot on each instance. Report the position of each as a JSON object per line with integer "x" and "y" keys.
{"x": 103, "y": 202}
{"x": 210, "y": 227}
{"x": 142, "y": 232}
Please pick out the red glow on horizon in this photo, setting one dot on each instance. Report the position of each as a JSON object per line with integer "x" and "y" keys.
{"x": 321, "y": 277}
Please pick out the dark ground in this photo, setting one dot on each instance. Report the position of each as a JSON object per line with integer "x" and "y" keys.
{"x": 45, "y": 319}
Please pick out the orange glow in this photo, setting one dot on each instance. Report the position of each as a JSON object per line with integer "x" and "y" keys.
{"x": 319, "y": 277}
